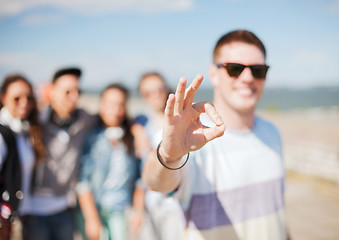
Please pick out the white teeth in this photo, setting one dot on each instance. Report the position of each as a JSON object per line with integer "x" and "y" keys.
{"x": 245, "y": 91}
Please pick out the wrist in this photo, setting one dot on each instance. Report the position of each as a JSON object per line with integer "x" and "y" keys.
{"x": 165, "y": 157}
{"x": 91, "y": 217}
{"x": 138, "y": 211}
{"x": 170, "y": 164}
{"x": 93, "y": 221}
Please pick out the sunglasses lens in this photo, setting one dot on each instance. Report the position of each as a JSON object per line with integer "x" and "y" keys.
{"x": 259, "y": 71}
{"x": 234, "y": 69}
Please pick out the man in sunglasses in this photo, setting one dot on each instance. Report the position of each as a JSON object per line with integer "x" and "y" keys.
{"x": 232, "y": 187}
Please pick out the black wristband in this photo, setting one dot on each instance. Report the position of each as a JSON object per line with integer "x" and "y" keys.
{"x": 162, "y": 163}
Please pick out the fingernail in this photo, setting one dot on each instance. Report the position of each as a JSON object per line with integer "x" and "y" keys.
{"x": 219, "y": 121}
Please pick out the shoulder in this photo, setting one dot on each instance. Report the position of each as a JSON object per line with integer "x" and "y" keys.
{"x": 3, "y": 149}
{"x": 264, "y": 125}
{"x": 267, "y": 132}
{"x": 44, "y": 114}
{"x": 141, "y": 119}
{"x": 84, "y": 114}
{"x": 96, "y": 129}
{"x": 7, "y": 133}
{"x": 7, "y": 143}
{"x": 90, "y": 120}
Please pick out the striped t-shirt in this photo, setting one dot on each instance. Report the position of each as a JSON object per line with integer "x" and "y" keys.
{"x": 233, "y": 188}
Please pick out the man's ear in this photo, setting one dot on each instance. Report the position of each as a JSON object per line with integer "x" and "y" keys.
{"x": 51, "y": 93}
{"x": 214, "y": 76}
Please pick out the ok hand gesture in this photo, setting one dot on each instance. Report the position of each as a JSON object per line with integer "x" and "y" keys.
{"x": 183, "y": 131}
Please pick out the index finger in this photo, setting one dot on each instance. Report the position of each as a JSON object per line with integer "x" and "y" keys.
{"x": 192, "y": 89}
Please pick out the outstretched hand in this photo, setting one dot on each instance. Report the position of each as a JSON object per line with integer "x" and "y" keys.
{"x": 183, "y": 131}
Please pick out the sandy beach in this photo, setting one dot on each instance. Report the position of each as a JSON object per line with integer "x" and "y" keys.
{"x": 311, "y": 152}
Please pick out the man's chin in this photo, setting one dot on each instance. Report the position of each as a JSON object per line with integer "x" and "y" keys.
{"x": 247, "y": 106}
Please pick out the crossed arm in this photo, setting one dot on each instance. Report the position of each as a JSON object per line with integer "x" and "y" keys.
{"x": 183, "y": 132}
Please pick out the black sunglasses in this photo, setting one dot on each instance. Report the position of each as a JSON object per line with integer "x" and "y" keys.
{"x": 235, "y": 69}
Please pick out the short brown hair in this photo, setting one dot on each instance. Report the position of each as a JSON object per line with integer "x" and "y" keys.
{"x": 238, "y": 36}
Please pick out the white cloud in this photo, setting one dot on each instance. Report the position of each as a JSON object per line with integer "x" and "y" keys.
{"x": 12, "y": 7}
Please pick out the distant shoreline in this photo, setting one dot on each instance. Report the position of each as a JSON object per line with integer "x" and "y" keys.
{"x": 274, "y": 100}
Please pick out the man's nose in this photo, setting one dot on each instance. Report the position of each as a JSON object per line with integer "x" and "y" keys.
{"x": 246, "y": 75}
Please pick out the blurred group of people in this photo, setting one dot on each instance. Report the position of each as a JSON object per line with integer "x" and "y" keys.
{"x": 77, "y": 172}
{"x": 65, "y": 172}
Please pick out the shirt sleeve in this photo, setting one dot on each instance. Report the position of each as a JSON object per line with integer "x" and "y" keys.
{"x": 86, "y": 169}
{"x": 141, "y": 119}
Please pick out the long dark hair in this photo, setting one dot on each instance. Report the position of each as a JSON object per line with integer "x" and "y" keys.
{"x": 35, "y": 132}
{"x": 126, "y": 123}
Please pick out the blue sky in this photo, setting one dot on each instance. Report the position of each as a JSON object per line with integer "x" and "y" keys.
{"x": 114, "y": 40}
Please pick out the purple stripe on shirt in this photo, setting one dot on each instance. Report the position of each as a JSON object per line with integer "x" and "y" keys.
{"x": 233, "y": 206}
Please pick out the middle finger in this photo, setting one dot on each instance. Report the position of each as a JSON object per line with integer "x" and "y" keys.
{"x": 179, "y": 96}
